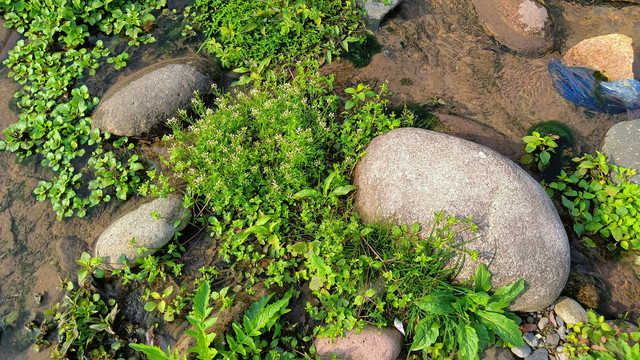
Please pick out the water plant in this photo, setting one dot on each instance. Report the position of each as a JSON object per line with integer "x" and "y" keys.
{"x": 55, "y": 107}
{"x": 539, "y": 149}
{"x": 600, "y": 339}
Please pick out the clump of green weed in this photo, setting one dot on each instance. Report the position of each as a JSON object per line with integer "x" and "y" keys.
{"x": 600, "y": 339}
{"x": 258, "y": 35}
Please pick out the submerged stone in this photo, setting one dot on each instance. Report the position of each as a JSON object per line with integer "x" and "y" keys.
{"x": 622, "y": 146}
{"x": 521, "y": 25}
{"x": 409, "y": 174}
{"x": 376, "y": 10}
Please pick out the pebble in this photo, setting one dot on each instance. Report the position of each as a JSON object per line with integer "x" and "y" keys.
{"x": 560, "y": 321}
{"x": 562, "y": 332}
{"x": 542, "y": 323}
{"x": 540, "y": 354}
{"x": 570, "y": 311}
{"x": 560, "y": 354}
{"x": 522, "y": 351}
{"x": 530, "y": 339}
{"x": 553, "y": 339}
{"x": 530, "y": 319}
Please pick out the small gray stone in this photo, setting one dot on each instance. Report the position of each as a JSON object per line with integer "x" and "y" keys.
{"x": 530, "y": 339}
{"x": 371, "y": 343}
{"x": 562, "y": 332}
{"x": 402, "y": 180}
{"x": 497, "y": 353}
{"x": 540, "y": 354}
{"x": 542, "y": 323}
{"x": 521, "y": 351}
{"x": 553, "y": 339}
{"x": 570, "y": 311}
{"x": 560, "y": 354}
{"x": 622, "y": 146}
{"x": 376, "y": 10}
{"x": 141, "y": 104}
{"x": 140, "y": 225}
{"x": 530, "y": 319}
{"x": 559, "y": 321}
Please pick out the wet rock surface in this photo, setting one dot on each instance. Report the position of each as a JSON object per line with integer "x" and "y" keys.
{"x": 151, "y": 226}
{"x": 140, "y": 105}
{"x": 401, "y": 180}
{"x": 610, "y": 54}
{"x": 622, "y": 146}
{"x": 371, "y": 343}
{"x": 521, "y": 25}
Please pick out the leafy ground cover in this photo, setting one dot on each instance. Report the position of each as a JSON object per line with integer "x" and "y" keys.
{"x": 54, "y": 107}
{"x": 257, "y": 36}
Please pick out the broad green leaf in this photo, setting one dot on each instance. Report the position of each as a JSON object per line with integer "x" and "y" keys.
{"x": 426, "y": 333}
{"x": 506, "y": 294}
{"x": 201, "y": 300}
{"x": 315, "y": 283}
{"x": 438, "y": 303}
{"x": 505, "y": 328}
{"x": 612, "y": 190}
{"x": 467, "y": 342}
{"x": 150, "y": 306}
{"x": 545, "y": 157}
{"x": 343, "y": 190}
{"x": 482, "y": 333}
{"x": 152, "y": 352}
{"x": 305, "y": 193}
{"x": 482, "y": 279}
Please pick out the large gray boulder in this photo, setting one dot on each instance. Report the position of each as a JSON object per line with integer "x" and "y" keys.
{"x": 140, "y": 105}
{"x": 371, "y": 343}
{"x": 409, "y": 174}
{"x": 149, "y": 231}
{"x": 376, "y": 10}
{"x": 622, "y": 146}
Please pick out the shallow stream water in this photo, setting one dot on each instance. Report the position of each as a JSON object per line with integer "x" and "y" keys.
{"x": 432, "y": 49}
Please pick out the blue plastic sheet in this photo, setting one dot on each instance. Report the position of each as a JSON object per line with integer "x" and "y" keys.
{"x": 579, "y": 85}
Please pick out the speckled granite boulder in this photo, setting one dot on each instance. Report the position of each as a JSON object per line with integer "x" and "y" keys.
{"x": 409, "y": 174}
{"x": 521, "y": 25}
{"x": 140, "y": 225}
{"x": 611, "y": 54}
{"x": 139, "y": 105}
{"x": 622, "y": 146}
{"x": 371, "y": 343}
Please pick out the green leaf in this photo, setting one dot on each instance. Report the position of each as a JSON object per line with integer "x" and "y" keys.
{"x": 438, "y": 303}
{"x": 611, "y": 190}
{"x": 349, "y": 104}
{"x": 315, "y": 283}
{"x": 545, "y": 157}
{"x": 201, "y": 300}
{"x": 82, "y": 274}
{"x": 343, "y": 190}
{"x": 467, "y": 342}
{"x": 526, "y": 159}
{"x": 306, "y": 193}
{"x": 482, "y": 333}
{"x": 502, "y": 326}
{"x": 98, "y": 273}
{"x": 150, "y": 306}
{"x": 482, "y": 279}
{"x": 426, "y": 333}
{"x": 152, "y": 352}
{"x": 506, "y": 294}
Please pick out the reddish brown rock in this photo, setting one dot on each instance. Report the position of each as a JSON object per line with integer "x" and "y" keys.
{"x": 611, "y": 54}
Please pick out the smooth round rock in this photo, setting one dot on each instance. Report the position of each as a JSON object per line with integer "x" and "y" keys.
{"x": 521, "y": 25}
{"x": 371, "y": 343}
{"x": 497, "y": 353}
{"x": 553, "y": 339}
{"x": 140, "y": 105}
{"x": 570, "y": 311}
{"x": 622, "y": 146}
{"x": 409, "y": 174}
{"x": 540, "y": 354}
{"x": 139, "y": 224}
{"x": 610, "y": 54}
{"x": 522, "y": 351}
{"x": 530, "y": 339}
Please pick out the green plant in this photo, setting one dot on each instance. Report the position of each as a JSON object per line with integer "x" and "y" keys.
{"x": 599, "y": 204}
{"x": 598, "y": 339}
{"x": 539, "y": 149}
{"x": 247, "y": 340}
{"x": 161, "y": 304}
{"x": 255, "y": 36}
{"x": 89, "y": 265}
{"x": 55, "y": 107}
{"x": 85, "y": 322}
